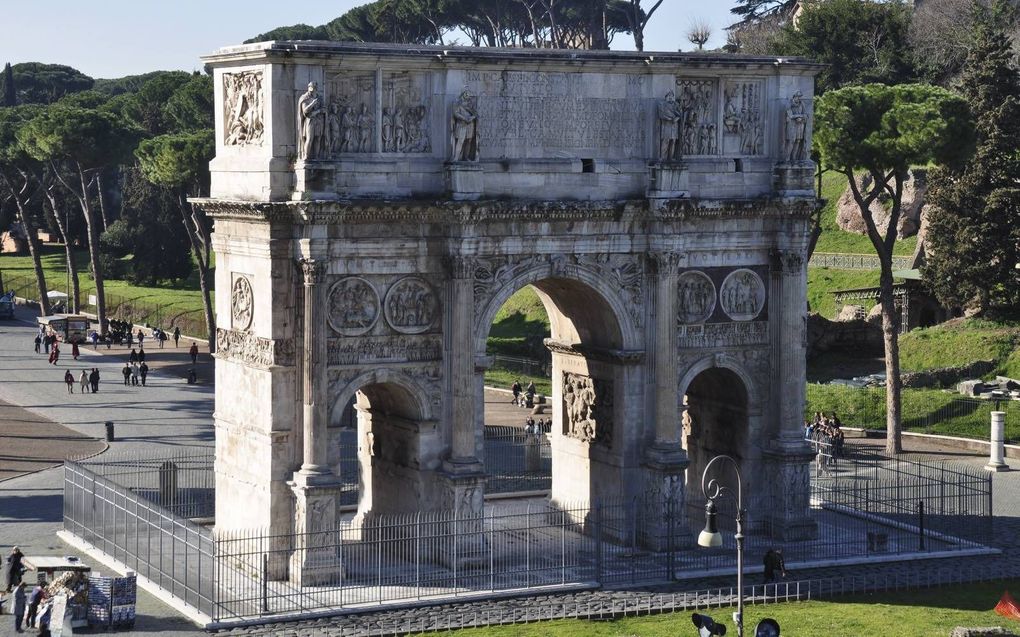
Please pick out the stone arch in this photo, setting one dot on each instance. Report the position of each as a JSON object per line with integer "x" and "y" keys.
{"x": 723, "y": 361}
{"x": 390, "y": 386}
{"x": 553, "y": 285}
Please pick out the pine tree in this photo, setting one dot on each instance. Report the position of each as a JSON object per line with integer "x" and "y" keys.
{"x": 974, "y": 220}
{"x": 10, "y": 98}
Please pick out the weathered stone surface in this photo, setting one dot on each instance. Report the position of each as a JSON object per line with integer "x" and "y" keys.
{"x": 848, "y": 215}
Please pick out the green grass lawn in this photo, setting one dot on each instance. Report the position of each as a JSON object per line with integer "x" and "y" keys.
{"x": 923, "y": 613}
{"x": 834, "y": 238}
{"x": 144, "y": 303}
{"x": 822, "y": 282}
{"x": 959, "y": 342}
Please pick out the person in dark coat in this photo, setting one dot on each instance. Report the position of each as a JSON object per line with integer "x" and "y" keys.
{"x": 194, "y": 353}
{"x": 75, "y": 352}
{"x": 94, "y": 380}
{"x": 34, "y": 599}
{"x": 13, "y": 568}
{"x": 143, "y": 369}
{"x": 69, "y": 381}
{"x": 127, "y": 374}
{"x": 141, "y": 354}
{"x": 38, "y": 343}
{"x": 19, "y": 606}
{"x": 177, "y": 335}
{"x": 133, "y": 356}
{"x": 773, "y": 562}
{"x": 54, "y": 354}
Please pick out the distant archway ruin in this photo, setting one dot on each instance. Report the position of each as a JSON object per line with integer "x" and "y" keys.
{"x": 379, "y": 203}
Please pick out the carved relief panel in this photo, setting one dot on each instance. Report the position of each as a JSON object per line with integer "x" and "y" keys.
{"x": 242, "y": 302}
{"x": 405, "y": 114}
{"x": 743, "y": 118}
{"x": 411, "y": 306}
{"x": 695, "y": 297}
{"x": 588, "y": 409}
{"x": 350, "y": 114}
{"x": 352, "y": 306}
{"x": 243, "y": 113}
{"x": 742, "y": 295}
{"x": 696, "y": 103}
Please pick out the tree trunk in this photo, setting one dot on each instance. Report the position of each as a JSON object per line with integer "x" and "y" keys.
{"x": 102, "y": 200}
{"x": 74, "y": 302}
{"x": 890, "y": 337}
{"x": 199, "y": 247}
{"x": 93, "y": 233}
{"x": 35, "y": 250}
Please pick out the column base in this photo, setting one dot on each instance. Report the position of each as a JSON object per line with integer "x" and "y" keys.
{"x": 316, "y": 559}
{"x": 465, "y": 498}
{"x": 665, "y": 499}
{"x": 788, "y": 513}
{"x": 465, "y": 180}
{"x": 997, "y": 467}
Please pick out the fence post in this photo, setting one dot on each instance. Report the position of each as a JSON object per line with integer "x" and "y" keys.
{"x": 598, "y": 541}
{"x": 265, "y": 583}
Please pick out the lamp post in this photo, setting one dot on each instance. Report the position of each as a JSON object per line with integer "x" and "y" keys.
{"x": 712, "y": 537}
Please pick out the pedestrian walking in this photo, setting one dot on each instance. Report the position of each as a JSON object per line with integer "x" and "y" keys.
{"x": 69, "y": 381}
{"x": 127, "y": 373}
{"x": 133, "y": 356}
{"x": 46, "y": 342}
{"x": 38, "y": 343}
{"x": 141, "y": 353}
{"x": 134, "y": 374}
{"x": 141, "y": 337}
{"x": 94, "y": 337}
{"x": 194, "y": 353}
{"x": 83, "y": 380}
{"x": 94, "y": 380}
{"x": 75, "y": 352}
{"x": 773, "y": 561}
{"x": 177, "y": 335}
{"x": 19, "y": 606}
{"x": 143, "y": 369}
{"x": 34, "y": 599}
{"x": 13, "y": 569}
{"x": 162, "y": 338}
{"x": 130, "y": 339}
{"x": 516, "y": 390}
{"x": 54, "y": 354}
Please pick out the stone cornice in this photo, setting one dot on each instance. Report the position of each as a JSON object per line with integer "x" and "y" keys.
{"x": 460, "y": 212}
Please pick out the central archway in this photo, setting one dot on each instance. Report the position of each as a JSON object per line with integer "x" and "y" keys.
{"x": 716, "y": 421}
{"x": 587, "y": 377}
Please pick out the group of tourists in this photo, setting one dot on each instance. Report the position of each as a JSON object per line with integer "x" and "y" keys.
{"x": 540, "y": 427}
{"x": 24, "y": 604}
{"x": 529, "y": 394}
{"x": 134, "y": 371}
{"x": 122, "y": 333}
{"x": 88, "y": 380}
{"x": 826, "y": 436}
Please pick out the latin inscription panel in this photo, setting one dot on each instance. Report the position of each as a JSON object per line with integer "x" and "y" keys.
{"x": 526, "y": 114}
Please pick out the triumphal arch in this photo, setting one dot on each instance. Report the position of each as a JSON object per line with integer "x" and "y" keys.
{"x": 375, "y": 205}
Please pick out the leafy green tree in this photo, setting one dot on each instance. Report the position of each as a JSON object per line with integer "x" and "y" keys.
{"x": 180, "y": 163}
{"x": 883, "y": 131}
{"x": 190, "y": 108}
{"x": 60, "y": 214}
{"x": 18, "y": 185}
{"x": 637, "y": 19}
{"x": 39, "y": 83}
{"x": 147, "y": 107}
{"x": 293, "y": 32}
{"x": 78, "y": 144}
{"x": 859, "y": 41}
{"x": 754, "y": 10}
{"x": 10, "y": 96}
{"x": 974, "y": 222}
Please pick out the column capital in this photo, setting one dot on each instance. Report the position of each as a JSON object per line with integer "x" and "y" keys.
{"x": 312, "y": 270}
{"x": 664, "y": 262}
{"x": 459, "y": 266}
{"x": 787, "y": 261}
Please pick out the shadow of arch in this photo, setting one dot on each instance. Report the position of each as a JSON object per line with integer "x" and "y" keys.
{"x": 582, "y": 308}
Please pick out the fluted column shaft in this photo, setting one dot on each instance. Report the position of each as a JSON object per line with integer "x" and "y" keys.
{"x": 668, "y": 427}
{"x": 313, "y": 373}
{"x": 462, "y": 364}
{"x": 789, "y": 284}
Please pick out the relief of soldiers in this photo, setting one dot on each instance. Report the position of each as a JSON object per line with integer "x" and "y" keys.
{"x": 364, "y": 125}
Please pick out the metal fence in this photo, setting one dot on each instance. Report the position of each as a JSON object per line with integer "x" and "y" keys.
{"x": 517, "y": 460}
{"x": 841, "y": 261}
{"x": 515, "y": 545}
{"x": 925, "y": 411}
{"x": 521, "y": 365}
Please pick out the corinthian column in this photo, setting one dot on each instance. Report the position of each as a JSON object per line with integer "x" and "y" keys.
{"x": 462, "y": 362}
{"x": 313, "y": 373}
{"x": 667, "y": 446}
{"x": 790, "y": 348}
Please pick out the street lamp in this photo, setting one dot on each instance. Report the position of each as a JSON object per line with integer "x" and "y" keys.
{"x": 711, "y": 536}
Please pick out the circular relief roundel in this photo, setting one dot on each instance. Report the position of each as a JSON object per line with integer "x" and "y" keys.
{"x": 353, "y": 306}
{"x": 695, "y": 297}
{"x": 242, "y": 303}
{"x": 742, "y": 295}
{"x": 410, "y": 306}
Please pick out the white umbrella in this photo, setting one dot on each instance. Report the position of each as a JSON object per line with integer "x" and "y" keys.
{"x": 54, "y": 294}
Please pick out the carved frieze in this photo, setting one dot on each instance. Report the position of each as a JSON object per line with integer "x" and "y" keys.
{"x": 243, "y": 112}
{"x": 411, "y": 306}
{"x": 588, "y": 409}
{"x": 742, "y": 295}
{"x": 383, "y": 349}
{"x": 697, "y": 107}
{"x": 695, "y": 297}
{"x": 718, "y": 335}
{"x": 743, "y": 118}
{"x": 242, "y": 303}
{"x": 404, "y": 127}
{"x": 353, "y": 306}
{"x": 252, "y": 350}
{"x": 351, "y": 120}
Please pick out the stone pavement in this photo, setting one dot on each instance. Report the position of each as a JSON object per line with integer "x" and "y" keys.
{"x": 30, "y": 443}
{"x": 167, "y": 414}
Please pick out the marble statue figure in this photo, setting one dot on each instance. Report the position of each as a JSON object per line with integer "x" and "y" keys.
{"x": 310, "y": 115}
{"x": 464, "y": 128}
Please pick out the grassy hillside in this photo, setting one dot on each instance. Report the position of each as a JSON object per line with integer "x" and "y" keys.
{"x": 959, "y": 342}
{"x": 822, "y": 282}
{"x": 834, "y": 239}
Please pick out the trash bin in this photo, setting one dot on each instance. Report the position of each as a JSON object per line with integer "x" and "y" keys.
{"x": 109, "y": 431}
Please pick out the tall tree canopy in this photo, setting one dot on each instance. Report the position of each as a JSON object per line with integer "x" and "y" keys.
{"x": 38, "y": 83}
{"x": 883, "y": 131}
{"x": 859, "y": 41}
{"x": 974, "y": 223}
